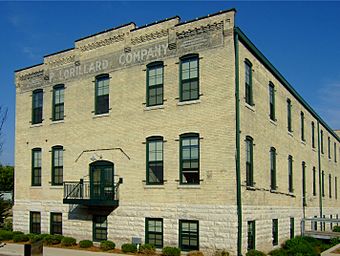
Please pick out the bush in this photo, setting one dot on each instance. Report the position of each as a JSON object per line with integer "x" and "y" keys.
{"x": 107, "y": 245}
{"x": 17, "y": 233}
{"x": 195, "y": 253}
{"x": 278, "y": 252}
{"x": 148, "y": 249}
{"x": 85, "y": 243}
{"x": 8, "y": 224}
{"x": 20, "y": 238}
{"x": 52, "y": 239}
{"x": 171, "y": 251}
{"x": 255, "y": 253}
{"x": 336, "y": 229}
{"x": 129, "y": 248}
{"x": 68, "y": 241}
{"x": 300, "y": 245}
{"x": 221, "y": 253}
{"x": 6, "y": 235}
{"x": 335, "y": 241}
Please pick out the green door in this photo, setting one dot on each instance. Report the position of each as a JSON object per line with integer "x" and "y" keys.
{"x": 102, "y": 180}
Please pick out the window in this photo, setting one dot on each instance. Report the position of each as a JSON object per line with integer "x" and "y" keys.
{"x": 36, "y": 167}
{"x": 331, "y": 224}
{"x": 275, "y": 231}
{"x": 289, "y": 115}
{"x": 154, "y": 164}
{"x": 35, "y": 223}
{"x": 313, "y": 135}
{"x": 314, "y": 181}
{"x": 323, "y": 183}
{"x": 154, "y": 232}
{"x": 272, "y": 101}
{"x": 304, "y": 184}
{"x": 336, "y": 188}
{"x": 56, "y": 223}
{"x": 330, "y": 185}
{"x": 251, "y": 235}
{"x": 102, "y": 94}
{"x": 249, "y": 162}
{"x": 58, "y": 102}
{"x": 189, "y": 73}
{"x": 290, "y": 174}
{"x": 37, "y": 106}
{"x": 291, "y": 229}
{"x": 329, "y": 147}
{"x": 189, "y": 155}
{"x": 248, "y": 83}
{"x": 99, "y": 228}
{"x": 334, "y": 151}
{"x": 188, "y": 235}
{"x": 154, "y": 83}
{"x": 321, "y": 139}
{"x": 57, "y": 165}
{"x": 302, "y": 116}
{"x": 314, "y": 224}
{"x": 273, "y": 168}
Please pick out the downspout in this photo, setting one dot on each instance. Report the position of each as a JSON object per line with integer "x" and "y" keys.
{"x": 238, "y": 174}
{"x": 319, "y": 163}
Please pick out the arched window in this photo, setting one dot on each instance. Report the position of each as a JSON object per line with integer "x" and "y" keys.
{"x": 37, "y": 106}
{"x": 57, "y": 165}
{"x": 154, "y": 83}
{"x": 290, "y": 174}
{"x": 249, "y": 162}
{"x": 58, "y": 102}
{"x": 189, "y": 77}
{"x": 36, "y": 167}
{"x": 248, "y": 82}
{"x": 189, "y": 158}
{"x": 272, "y": 168}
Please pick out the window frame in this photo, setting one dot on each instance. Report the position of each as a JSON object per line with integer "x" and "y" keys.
{"x": 313, "y": 135}
{"x": 273, "y": 184}
{"x": 249, "y": 164}
{"x": 182, "y": 160}
{"x": 56, "y": 224}
{"x": 55, "y": 105}
{"x": 149, "y": 67}
{"x": 330, "y": 185}
{"x": 304, "y": 200}
{"x": 35, "y": 227}
{"x": 314, "y": 181}
{"x": 335, "y": 160}
{"x": 189, "y": 58}
{"x": 323, "y": 184}
{"x": 181, "y": 235}
{"x": 291, "y": 227}
{"x": 329, "y": 147}
{"x": 275, "y": 231}
{"x": 148, "y": 141}
{"x": 290, "y": 175}
{"x": 248, "y": 89}
{"x": 54, "y": 167}
{"x": 95, "y": 229}
{"x": 98, "y": 79}
{"x": 251, "y": 235}
{"x": 302, "y": 119}
{"x": 321, "y": 141}
{"x": 37, "y": 112}
{"x": 289, "y": 115}
{"x": 272, "y": 113}
{"x": 148, "y": 232}
{"x": 36, "y": 171}
{"x": 336, "y": 187}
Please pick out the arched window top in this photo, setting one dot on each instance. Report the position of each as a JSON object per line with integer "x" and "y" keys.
{"x": 290, "y": 157}
{"x": 189, "y": 134}
{"x": 37, "y": 91}
{"x": 154, "y": 64}
{"x": 312, "y": 123}
{"x": 249, "y": 138}
{"x": 302, "y": 114}
{"x": 272, "y": 149}
{"x": 189, "y": 56}
{"x": 101, "y": 163}
{"x": 57, "y": 147}
{"x": 156, "y": 137}
{"x": 58, "y": 86}
{"x": 102, "y": 76}
{"x": 271, "y": 84}
{"x": 36, "y": 149}
{"x": 303, "y": 163}
{"x": 248, "y": 62}
{"x": 288, "y": 101}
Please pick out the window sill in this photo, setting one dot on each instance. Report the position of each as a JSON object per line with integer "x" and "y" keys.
{"x": 314, "y": 149}
{"x": 101, "y": 115}
{"x": 189, "y": 102}
{"x": 274, "y": 122}
{"x": 250, "y": 188}
{"x": 303, "y": 142}
{"x": 160, "y": 186}
{"x": 153, "y": 107}
{"x": 188, "y": 186}
{"x": 290, "y": 133}
{"x": 251, "y": 107}
{"x": 36, "y": 125}
{"x": 57, "y": 122}
{"x": 274, "y": 191}
{"x": 56, "y": 186}
{"x": 291, "y": 194}
{"x": 35, "y": 187}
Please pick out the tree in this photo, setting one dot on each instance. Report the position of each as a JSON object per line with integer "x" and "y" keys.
{"x": 6, "y": 178}
{"x": 3, "y": 116}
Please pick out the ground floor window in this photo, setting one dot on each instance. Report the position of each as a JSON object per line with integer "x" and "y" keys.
{"x": 188, "y": 235}
{"x": 291, "y": 228}
{"x": 56, "y": 223}
{"x": 154, "y": 232}
{"x": 275, "y": 231}
{"x": 35, "y": 220}
{"x": 251, "y": 235}
{"x": 99, "y": 228}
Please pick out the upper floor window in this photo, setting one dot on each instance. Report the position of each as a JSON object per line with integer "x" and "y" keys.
{"x": 102, "y": 94}
{"x": 57, "y": 165}
{"x": 273, "y": 168}
{"x": 330, "y": 185}
{"x": 154, "y": 168}
{"x": 334, "y": 151}
{"x": 289, "y": 115}
{"x": 336, "y": 188}
{"x": 249, "y": 162}
{"x": 36, "y": 167}
{"x": 272, "y": 101}
{"x": 189, "y": 74}
{"x": 304, "y": 184}
{"x": 37, "y": 106}
{"x": 321, "y": 141}
{"x": 290, "y": 174}
{"x": 302, "y": 117}
{"x": 58, "y": 102}
{"x": 248, "y": 83}
{"x": 323, "y": 183}
{"x": 154, "y": 83}
{"x": 329, "y": 147}
{"x": 313, "y": 135}
{"x": 189, "y": 158}
{"x": 314, "y": 181}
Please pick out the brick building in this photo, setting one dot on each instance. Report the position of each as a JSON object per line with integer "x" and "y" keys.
{"x": 178, "y": 133}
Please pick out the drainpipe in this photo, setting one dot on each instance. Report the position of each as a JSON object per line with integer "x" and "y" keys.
{"x": 319, "y": 163}
{"x": 238, "y": 174}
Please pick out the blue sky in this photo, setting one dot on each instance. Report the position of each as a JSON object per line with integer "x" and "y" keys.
{"x": 300, "y": 38}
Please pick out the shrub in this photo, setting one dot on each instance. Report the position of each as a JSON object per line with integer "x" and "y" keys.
{"x": 336, "y": 229}
{"x": 221, "y": 253}
{"x": 335, "y": 241}
{"x": 278, "y": 252}
{"x": 6, "y": 235}
{"x": 107, "y": 245}
{"x": 148, "y": 249}
{"x": 52, "y": 239}
{"x": 171, "y": 251}
{"x": 85, "y": 243}
{"x": 20, "y": 238}
{"x": 195, "y": 253}
{"x": 129, "y": 248}
{"x": 300, "y": 245}
{"x": 255, "y": 253}
{"x": 17, "y": 233}
{"x": 68, "y": 241}
{"x": 8, "y": 224}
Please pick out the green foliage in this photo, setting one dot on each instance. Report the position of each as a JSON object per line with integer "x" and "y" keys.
{"x": 335, "y": 241}
{"x": 52, "y": 239}
{"x": 4, "y": 207}
{"x": 68, "y": 241}
{"x": 148, "y": 249}
{"x": 129, "y": 248}
{"x": 300, "y": 245}
{"x": 6, "y": 235}
{"x": 85, "y": 243}
{"x": 20, "y": 238}
{"x": 6, "y": 178}
{"x": 8, "y": 224}
{"x": 17, "y": 233}
{"x": 336, "y": 229}
{"x": 171, "y": 251}
{"x": 255, "y": 253}
{"x": 278, "y": 252}
{"x": 107, "y": 245}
